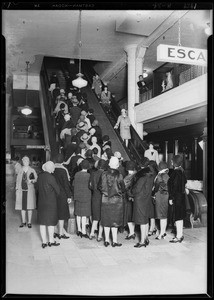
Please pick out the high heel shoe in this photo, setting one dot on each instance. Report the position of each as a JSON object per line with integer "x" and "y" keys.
{"x": 63, "y": 236}
{"x": 116, "y": 244}
{"x": 91, "y": 237}
{"x": 56, "y": 235}
{"x": 53, "y": 244}
{"x": 176, "y": 240}
{"x": 44, "y": 245}
{"x": 146, "y": 242}
{"x": 160, "y": 237}
{"x": 139, "y": 245}
{"x": 22, "y": 225}
{"x": 29, "y": 225}
{"x": 152, "y": 232}
{"x": 85, "y": 236}
{"x": 99, "y": 239}
{"x": 79, "y": 233}
{"x": 130, "y": 237}
{"x": 106, "y": 244}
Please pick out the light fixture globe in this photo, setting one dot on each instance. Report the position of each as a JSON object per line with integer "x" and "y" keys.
{"x": 26, "y": 110}
{"x": 79, "y": 82}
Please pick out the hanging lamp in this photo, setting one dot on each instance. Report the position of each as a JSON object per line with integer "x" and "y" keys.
{"x": 26, "y": 110}
{"x": 80, "y": 82}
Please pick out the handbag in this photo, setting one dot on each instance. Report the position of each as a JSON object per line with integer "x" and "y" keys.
{"x": 31, "y": 177}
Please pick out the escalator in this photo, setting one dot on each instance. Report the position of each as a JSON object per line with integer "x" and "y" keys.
{"x": 136, "y": 147}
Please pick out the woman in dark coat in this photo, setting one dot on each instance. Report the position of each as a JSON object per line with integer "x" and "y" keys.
{"x": 96, "y": 199}
{"x": 112, "y": 188}
{"x": 142, "y": 191}
{"x": 48, "y": 191}
{"x": 82, "y": 198}
{"x": 176, "y": 183}
{"x": 128, "y": 199}
{"x": 64, "y": 198}
{"x": 161, "y": 197}
{"x": 152, "y": 226}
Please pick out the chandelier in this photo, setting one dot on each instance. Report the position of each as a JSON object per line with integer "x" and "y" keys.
{"x": 80, "y": 82}
{"x": 26, "y": 110}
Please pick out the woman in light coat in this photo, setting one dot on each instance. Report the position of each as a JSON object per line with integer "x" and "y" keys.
{"x": 124, "y": 122}
{"x": 25, "y": 191}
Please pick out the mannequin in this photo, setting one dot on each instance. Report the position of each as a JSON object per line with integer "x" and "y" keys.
{"x": 151, "y": 153}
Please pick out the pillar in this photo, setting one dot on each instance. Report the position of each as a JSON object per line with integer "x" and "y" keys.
{"x": 204, "y": 136}
{"x": 195, "y": 157}
{"x": 166, "y": 151}
{"x": 176, "y": 147}
{"x": 135, "y": 68}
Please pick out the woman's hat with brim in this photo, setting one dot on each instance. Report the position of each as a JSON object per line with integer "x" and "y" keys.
{"x": 62, "y": 91}
{"x": 130, "y": 166}
{"x": 48, "y": 167}
{"x": 85, "y": 164}
{"x": 102, "y": 164}
{"x": 177, "y": 160}
{"x": 118, "y": 155}
{"x": 162, "y": 166}
{"x": 114, "y": 163}
{"x": 81, "y": 125}
{"x": 85, "y": 137}
{"x": 74, "y": 100}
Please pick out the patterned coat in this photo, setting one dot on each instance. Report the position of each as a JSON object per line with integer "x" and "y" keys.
{"x": 31, "y": 195}
{"x": 82, "y": 194}
{"x": 112, "y": 187}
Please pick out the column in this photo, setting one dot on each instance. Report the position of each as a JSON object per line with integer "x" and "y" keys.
{"x": 195, "y": 157}
{"x": 176, "y": 147}
{"x": 204, "y": 136}
{"x": 135, "y": 68}
{"x": 166, "y": 151}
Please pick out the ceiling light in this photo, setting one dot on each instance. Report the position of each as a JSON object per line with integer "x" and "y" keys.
{"x": 80, "y": 82}
{"x": 208, "y": 29}
{"x": 26, "y": 110}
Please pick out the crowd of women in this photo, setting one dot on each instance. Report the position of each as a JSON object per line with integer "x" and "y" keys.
{"x": 108, "y": 193}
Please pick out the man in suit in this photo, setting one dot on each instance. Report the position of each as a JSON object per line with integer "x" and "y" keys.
{"x": 141, "y": 87}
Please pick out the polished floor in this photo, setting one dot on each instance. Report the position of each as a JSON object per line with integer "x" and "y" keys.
{"x": 83, "y": 267}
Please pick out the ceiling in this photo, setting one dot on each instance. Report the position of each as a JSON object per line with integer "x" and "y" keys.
{"x": 33, "y": 34}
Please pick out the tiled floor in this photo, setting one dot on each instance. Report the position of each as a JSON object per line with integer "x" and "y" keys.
{"x": 83, "y": 267}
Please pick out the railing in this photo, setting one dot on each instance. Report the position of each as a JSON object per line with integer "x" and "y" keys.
{"x": 136, "y": 146}
{"x": 48, "y": 118}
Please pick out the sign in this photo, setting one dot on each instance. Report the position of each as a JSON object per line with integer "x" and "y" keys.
{"x": 182, "y": 55}
{"x": 35, "y": 146}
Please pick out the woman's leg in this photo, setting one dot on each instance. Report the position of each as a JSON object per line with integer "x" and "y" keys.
{"x": 114, "y": 234}
{"x": 29, "y": 213}
{"x": 143, "y": 233}
{"x": 126, "y": 143}
{"x": 61, "y": 224}
{"x": 100, "y": 232}
{"x": 106, "y": 231}
{"x": 152, "y": 224}
{"x": 147, "y": 230}
{"x": 51, "y": 234}
{"x": 163, "y": 223}
{"x": 84, "y": 219}
{"x": 179, "y": 227}
{"x": 23, "y": 215}
{"x": 43, "y": 234}
{"x": 94, "y": 227}
{"x": 131, "y": 226}
{"x": 79, "y": 228}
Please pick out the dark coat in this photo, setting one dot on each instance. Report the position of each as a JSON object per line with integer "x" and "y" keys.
{"x": 96, "y": 194}
{"x": 65, "y": 192}
{"x": 176, "y": 184}
{"x": 75, "y": 112}
{"x": 142, "y": 87}
{"x": 112, "y": 188}
{"x": 142, "y": 191}
{"x": 82, "y": 194}
{"x": 161, "y": 195}
{"x": 128, "y": 199}
{"x": 48, "y": 190}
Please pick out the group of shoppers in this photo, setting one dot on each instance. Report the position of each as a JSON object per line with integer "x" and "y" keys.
{"x": 107, "y": 192}
{"x": 104, "y": 196}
